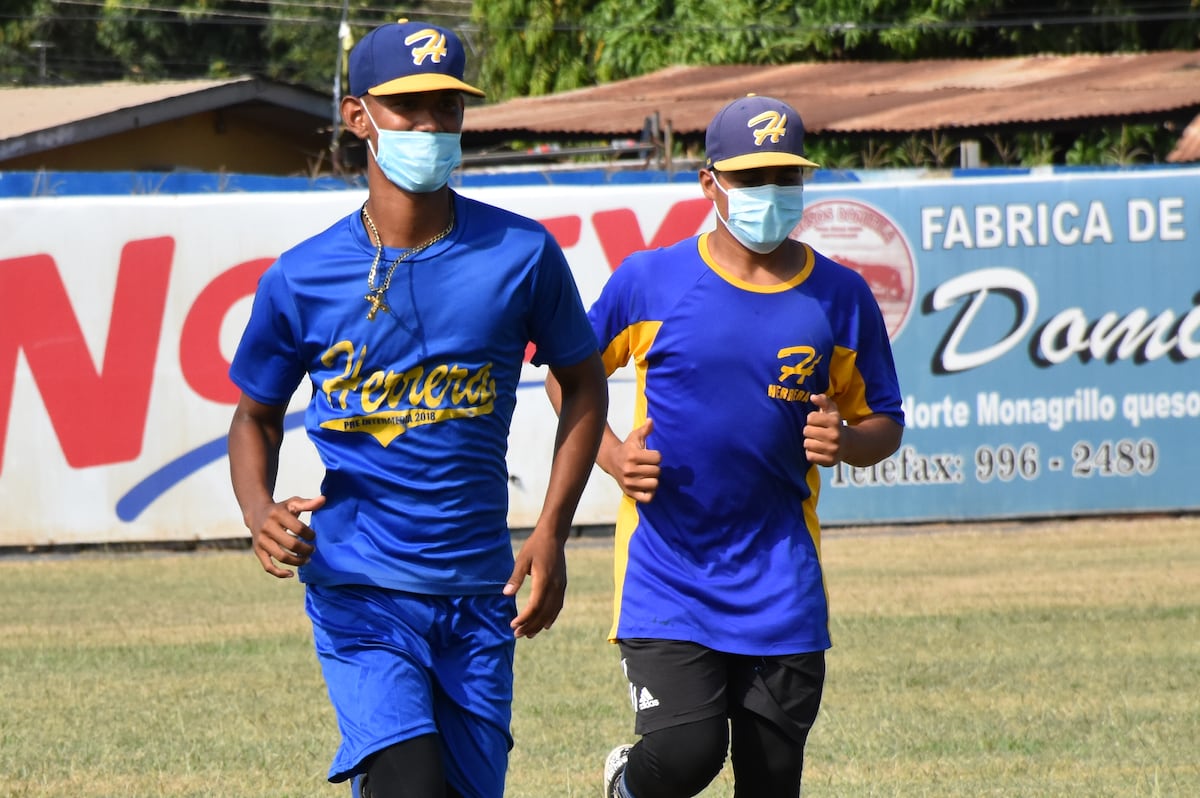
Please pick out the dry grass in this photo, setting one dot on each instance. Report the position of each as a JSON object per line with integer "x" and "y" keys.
{"x": 1050, "y": 659}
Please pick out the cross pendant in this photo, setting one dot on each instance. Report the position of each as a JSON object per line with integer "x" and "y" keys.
{"x": 377, "y": 304}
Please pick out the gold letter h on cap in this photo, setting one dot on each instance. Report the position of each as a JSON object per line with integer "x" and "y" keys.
{"x": 776, "y": 127}
{"x": 435, "y": 46}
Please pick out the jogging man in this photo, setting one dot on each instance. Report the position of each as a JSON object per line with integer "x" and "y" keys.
{"x": 409, "y": 319}
{"x": 757, "y": 359}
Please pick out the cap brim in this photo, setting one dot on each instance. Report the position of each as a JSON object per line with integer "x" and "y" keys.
{"x": 759, "y": 160}
{"x": 427, "y": 82}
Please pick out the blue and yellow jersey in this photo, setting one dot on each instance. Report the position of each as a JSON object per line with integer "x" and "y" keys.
{"x": 727, "y": 554}
{"x": 410, "y": 413}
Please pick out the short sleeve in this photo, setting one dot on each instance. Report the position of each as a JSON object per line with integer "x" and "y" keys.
{"x": 559, "y": 330}
{"x": 267, "y": 365}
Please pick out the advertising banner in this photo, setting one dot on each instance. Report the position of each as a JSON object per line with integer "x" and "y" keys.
{"x": 1046, "y": 333}
{"x": 1045, "y": 327}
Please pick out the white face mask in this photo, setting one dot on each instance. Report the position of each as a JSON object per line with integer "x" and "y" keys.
{"x": 416, "y": 161}
{"x": 762, "y": 217}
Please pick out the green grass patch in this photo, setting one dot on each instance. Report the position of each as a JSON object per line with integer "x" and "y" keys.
{"x": 1040, "y": 660}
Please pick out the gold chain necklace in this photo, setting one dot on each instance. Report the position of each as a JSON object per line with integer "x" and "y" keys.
{"x": 376, "y": 295}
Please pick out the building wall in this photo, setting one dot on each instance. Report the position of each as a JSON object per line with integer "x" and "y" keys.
{"x": 229, "y": 140}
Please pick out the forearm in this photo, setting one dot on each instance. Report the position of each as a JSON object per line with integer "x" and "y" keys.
{"x": 253, "y": 462}
{"x": 582, "y": 407}
{"x": 609, "y": 441}
{"x": 870, "y": 440}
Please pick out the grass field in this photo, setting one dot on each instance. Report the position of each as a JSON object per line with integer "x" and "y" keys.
{"x": 1034, "y": 660}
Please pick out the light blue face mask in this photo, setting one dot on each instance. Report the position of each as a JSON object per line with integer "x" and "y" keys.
{"x": 414, "y": 160}
{"x": 762, "y": 217}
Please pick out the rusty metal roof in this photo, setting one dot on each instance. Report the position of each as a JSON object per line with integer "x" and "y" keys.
{"x": 866, "y": 98}
{"x": 870, "y": 97}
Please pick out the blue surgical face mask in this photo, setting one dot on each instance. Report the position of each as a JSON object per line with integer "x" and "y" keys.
{"x": 762, "y": 217}
{"x": 416, "y": 161}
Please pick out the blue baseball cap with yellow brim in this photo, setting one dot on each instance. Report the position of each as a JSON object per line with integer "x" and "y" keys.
{"x": 406, "y": 57}
{"x": 754, "y": 132}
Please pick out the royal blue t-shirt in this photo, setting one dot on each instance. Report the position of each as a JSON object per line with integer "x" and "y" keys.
{"x": 727, "y": 553}
{"x": 410, "y": 413}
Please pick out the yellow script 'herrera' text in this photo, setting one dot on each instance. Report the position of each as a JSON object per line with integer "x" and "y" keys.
{"x": 390, "y": 402}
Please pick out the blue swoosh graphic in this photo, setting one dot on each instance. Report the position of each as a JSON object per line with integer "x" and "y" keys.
{"x": 146, "y": 492}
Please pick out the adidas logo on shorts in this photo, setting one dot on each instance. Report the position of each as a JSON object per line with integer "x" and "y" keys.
{"x": 646, "y": 700}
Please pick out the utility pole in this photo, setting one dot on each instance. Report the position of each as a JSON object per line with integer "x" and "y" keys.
{"x": 343, "y": 45}
{"x": 41, "y": 47}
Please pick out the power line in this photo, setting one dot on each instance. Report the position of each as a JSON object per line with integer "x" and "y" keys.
{"x": 259, "y": 13}
{"x": 175, "y": 15}
{"x": 1023, "y": 22}
{"x": 885, "y": 25}
{"x": 362, "y": 16}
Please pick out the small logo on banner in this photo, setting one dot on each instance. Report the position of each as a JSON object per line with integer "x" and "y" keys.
{"x": 862, "y": 237}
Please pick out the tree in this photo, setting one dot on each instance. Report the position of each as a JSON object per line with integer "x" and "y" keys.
{"x": 84, "y": 41}
{"x": 522, "y": 47}
{"x": 42, "y": 42}
{"x": 542, "y": 46}
{"x": 199, "y": 37}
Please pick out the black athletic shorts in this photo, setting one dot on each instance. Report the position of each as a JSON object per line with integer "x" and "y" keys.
{"x": 673, "y": 682}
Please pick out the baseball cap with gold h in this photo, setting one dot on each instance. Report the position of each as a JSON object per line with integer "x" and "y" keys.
{"x": 406, "y": 57}
{"x": 753, "y": 132}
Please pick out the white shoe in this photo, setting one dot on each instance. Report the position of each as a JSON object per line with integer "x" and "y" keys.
{"x": 614, "y": 766}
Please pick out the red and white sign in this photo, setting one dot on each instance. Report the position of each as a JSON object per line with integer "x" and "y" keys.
{"x": 118, "y": 318}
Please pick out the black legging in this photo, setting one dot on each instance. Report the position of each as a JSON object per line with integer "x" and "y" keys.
{"x": 409, "y": 769}
{"x": 680, "y": 761}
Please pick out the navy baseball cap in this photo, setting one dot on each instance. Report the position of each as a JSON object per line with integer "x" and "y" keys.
{"x": 753, "y": 132}
{"x": 406, "y": 57}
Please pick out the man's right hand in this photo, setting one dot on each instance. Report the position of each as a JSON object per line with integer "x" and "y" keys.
{"x": 279, "y": 536}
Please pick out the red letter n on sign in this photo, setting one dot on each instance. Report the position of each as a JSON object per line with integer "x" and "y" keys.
{"x": 99, "y": 415}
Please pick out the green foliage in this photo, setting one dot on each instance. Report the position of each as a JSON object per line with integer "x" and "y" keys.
{"x": 526, "y": 47}
{"x": 1123, "y": 146}
{"x": 531, "y": 46}
{"x": 41, "y": 41}
{"x": 537, "y": 46}
{"x": 930, "y": 148}
{"x": 303, "y": 44}
{"x": 1037, "y": 149}
{"x": 832, "y": 153}
{"x": 296, "y": 41}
